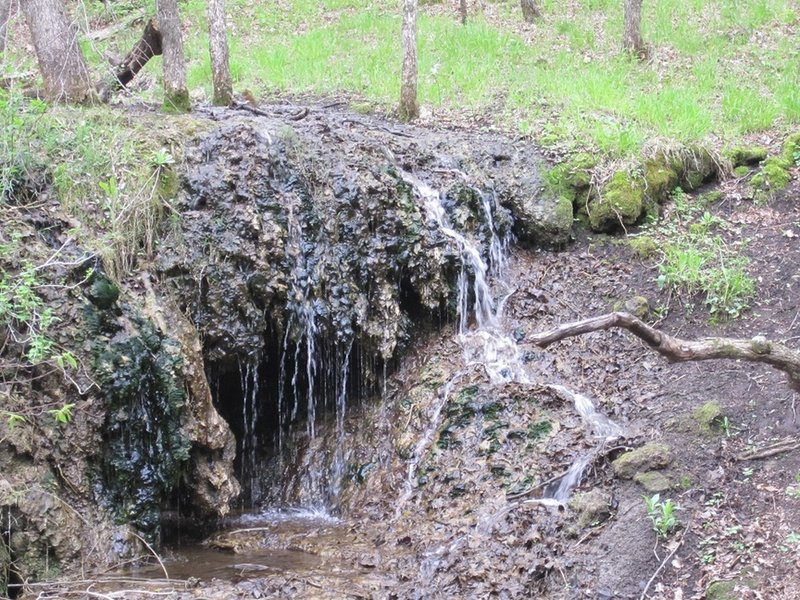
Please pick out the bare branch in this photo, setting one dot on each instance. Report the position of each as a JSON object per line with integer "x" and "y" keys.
{"x": 757, "y": 349}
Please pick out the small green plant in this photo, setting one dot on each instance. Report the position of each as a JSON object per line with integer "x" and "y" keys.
{"x": 793, "y": 491}
{"x": 14, "y": 419}
{"x": 64, "y": 414}
{"x": 662, "y": 514}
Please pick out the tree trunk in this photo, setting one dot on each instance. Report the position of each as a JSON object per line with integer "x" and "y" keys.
{"x": 218, "y": 48}
{"x": 176, "y": 96}
{"x": 462, "y": 9}
{"x": 632, "y": 37}
{"x": 148, "y": 46}
{"x": 530, "y": 12}
{"x": 409, "y": 109}
{"x": 5, "y": 15}
{"x": 55, "y": 39}
{"x": 757, "y": 349}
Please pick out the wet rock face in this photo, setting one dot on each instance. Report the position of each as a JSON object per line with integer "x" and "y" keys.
{"x": 280, "y": 231}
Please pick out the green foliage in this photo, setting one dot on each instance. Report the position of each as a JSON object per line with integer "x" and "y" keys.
{"x": 64, "y": 414}
{"x": 662, "y": 514}
{"x": 698, "y": 259}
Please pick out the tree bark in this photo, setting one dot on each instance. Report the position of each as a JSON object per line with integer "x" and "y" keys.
{"x": 5, "y": 15}
{"x": 462, "y": 10}
{"x": 148, "y": 46}
{"x": 530, "y": 12}
{"x": 632, "y": 37}
{"x": 218, "y": 48}
{"x": 55, "y": 39}
{"x": 409, "y": 109}
{"x": 176, "y": 96}
{"x": 757, "y": 349}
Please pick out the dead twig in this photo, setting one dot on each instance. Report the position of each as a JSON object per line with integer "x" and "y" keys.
{"x": 768, "y": 451}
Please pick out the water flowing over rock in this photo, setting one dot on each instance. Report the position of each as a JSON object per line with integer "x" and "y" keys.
{"x": 308, "y": 256}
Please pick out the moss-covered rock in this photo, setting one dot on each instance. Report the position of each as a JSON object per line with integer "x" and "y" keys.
{"x": 653, "y": 481}
{"x": 699, "y": 167}
{"x": 740, "y": 172}
{"x": 590, "y": 507}
{"x": 650, "y": 457}
{"x": 774, "y": 175}
{"x": 638, "y": 306}
{"x": 643, "y": 246}
{"x": 545, "y": 220}
{"x": 660, "y": 179}
{"x": 791, "y": 148}
{"x": 746, "y": 155}
{"x": 707, "y": 416}
{"x": 621, "y": 203}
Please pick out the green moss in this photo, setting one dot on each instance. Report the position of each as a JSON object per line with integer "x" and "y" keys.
{"x": 746, "y": 155}
{"x": 791, "y": 148}
{"x": 572, "y": 179}
{"x": 699, "y": 167}
{"x": 774, "y": 175}
{"x": 139, "y": 374}
{"x": 653, "y": 481}
{"x": 649, "y": 457}
{"x": 178, "y": 102}
{"x": 722, "y": 590}
{"x": 621, "y": 203}
{"x": 740, "y": 172}
{"x": 707, "y": 416}
{"x": 660, "y": 179}
{"x": 643, "y": 246}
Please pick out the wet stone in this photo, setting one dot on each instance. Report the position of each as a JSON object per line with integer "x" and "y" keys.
{"x": 649, "y": 457}
{"x": 653, "y": 481}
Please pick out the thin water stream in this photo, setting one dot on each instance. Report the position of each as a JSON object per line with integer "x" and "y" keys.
{"x": 486, "y": 345}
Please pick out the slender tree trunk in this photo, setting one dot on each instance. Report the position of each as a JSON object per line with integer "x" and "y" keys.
{"x": 632, "y": 37}
{"x": 530, "y": 12}
{"x": 409, "y": 109}
{"x": 462, "y": 9}
{"x": 176, "y": 96}
{"x": 5, "y": 15}
{"x": 218, "y": 48}
{"x": 55, "y": 39}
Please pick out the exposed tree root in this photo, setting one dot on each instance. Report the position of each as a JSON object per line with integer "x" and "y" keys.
{"x": 757, "y": 349}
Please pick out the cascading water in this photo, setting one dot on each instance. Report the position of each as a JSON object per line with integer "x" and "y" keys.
{"x": 486, "y": 344}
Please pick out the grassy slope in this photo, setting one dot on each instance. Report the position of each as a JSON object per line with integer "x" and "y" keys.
{"x": 721, "y": 70}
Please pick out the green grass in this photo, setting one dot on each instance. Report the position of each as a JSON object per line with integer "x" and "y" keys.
{"x": 697, "y": 256}
{"x": 722, "y": 69}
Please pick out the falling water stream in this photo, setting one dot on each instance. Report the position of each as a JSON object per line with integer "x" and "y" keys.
{"x": 481, "y": 298}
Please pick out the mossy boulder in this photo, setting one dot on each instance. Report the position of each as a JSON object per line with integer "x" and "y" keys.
{"x": 746, "y": 155}
{"x": 102, "y": 292}
{"x": 699, "y": 167}
{"x": 650, "y": 457}
{"x": 727, "y": 590}
{"x": 740, "y": 172}
{"x": 572, "y": 179}
{"x": 653, "y": 481}
{"x": 621, "y": 203}
{"x": 774, "y": 176}
{"x": 660, "y": 179}
{"x": 545, "y": 220}
{"x": 590, "y": 507}
{"x": 643, "y": 246}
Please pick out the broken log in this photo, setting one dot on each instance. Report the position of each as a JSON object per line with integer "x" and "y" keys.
{"x": 757, "y": 349}
{"x": 148, "y": 46}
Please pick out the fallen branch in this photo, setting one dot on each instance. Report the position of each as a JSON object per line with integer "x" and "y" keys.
{"x": 769, "y": 451}
{"x": 757, "y": 349}
{"x": 148, "y": 46}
